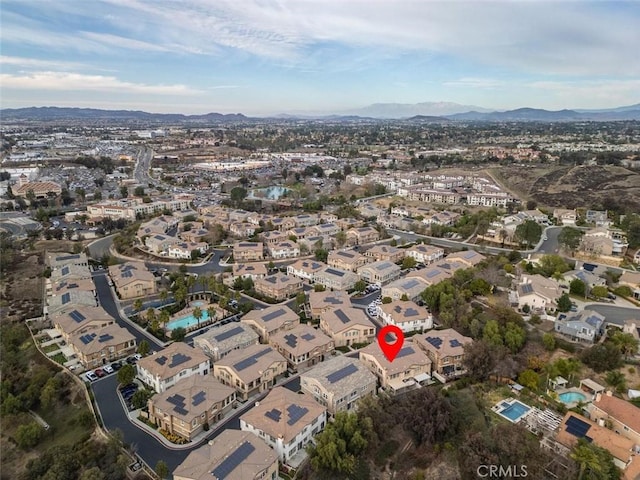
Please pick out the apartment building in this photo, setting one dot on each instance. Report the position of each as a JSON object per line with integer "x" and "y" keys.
{"x": 385, "y": 253}
{"x": 100, "y": 346}
{"x": 381, "y": 272}
{"x": 222, "y": 340}
{"x": 79, "y": 320}
{"x": 305, "y": 269}
{"x": 248, "y": 251}
{"x": 347, "y": 325}
{"x": 406, "y": 315}
{"x": 270, "y": 320}
{"x": 286, "y": 249}
{"x": 279, "y": 286}
{"x": 362, "y": 235}
{"x": 348, "y": 260}
{"x": 336, "y": 279}
{"x": 302, "y": 346}
{"x": 167, "y": 367}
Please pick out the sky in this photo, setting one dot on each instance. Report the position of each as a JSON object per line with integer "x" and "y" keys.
{"x": 263, "y": 57}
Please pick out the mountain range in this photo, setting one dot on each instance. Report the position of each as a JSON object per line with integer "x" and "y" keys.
{"x": 419, "y": 112}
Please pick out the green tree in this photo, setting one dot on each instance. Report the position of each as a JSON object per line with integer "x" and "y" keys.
{"x": 211, "y": 312}
{"x": 301, "y": 299}
{"x": 408, "y": 262}
{"x": 238, "y": 194}
{"x": 549, "y": 341}
{"x": 164, "y": 295}
{"x": 570, "y": 238}
{"x": 137, "y": 305}
{"x": 529, "y": 232}
{"x": 197, "y": 314}
{"x": 564, "y": 303}
{"x": 49, "y": 393}
{"x": 318, "y": 287}
{"x": 124, "y": 191}
{"x": 29, "y": 435}
{"x": 514, "y": 337}
{"x": 578, "y": 287}
{"x": 339, "y": 445}
{"x": 143, "y": 346}
{"x": 617, "y": 380}
{"x": 553, "y": 265}
{"x": 479, "y": 359}
{"x": 178, "y": 334}
{"x": 162, "y": 470}
{"x": 595, "y": 462}
{"x": 599, "y": 291}
{"x": 140, "y": 398}
{"x": 387, "y": 300}
{"x": 341, "y": 239}
{"x": 321, "y": 254}
{"x": 360, "y": 286}
{"x": 625, "y": 342}
{"x": 529, "y": 379}
{"x": 491, "y": 333}
{"x": 602, "y": 357}
{"x": 126, "y": 374}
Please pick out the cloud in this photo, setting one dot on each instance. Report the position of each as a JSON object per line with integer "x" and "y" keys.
{"x": 38, "y": 63}
{"x": 65, "y": 81}
{"x": 473, "y": 82}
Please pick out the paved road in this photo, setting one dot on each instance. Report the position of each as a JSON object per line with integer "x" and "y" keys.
{"x": 550, "y": 245}
{"x": 615, "y": 314}
{"x": 100, "y": 247}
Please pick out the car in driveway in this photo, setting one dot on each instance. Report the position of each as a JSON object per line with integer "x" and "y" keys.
{"x": 92, "y": 377}
{"x": 108, "y": 369}
{"x": 99, "y": 372}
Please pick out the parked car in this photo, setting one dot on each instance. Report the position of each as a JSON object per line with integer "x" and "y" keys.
{"x": 108, "y": 369}
{"x": 99, "y": 372}
{"x": 92, "y": 377}
{"x": 116, "y": 366}
{"x": 611, "y": 296}
{"x": 131, "y": 360}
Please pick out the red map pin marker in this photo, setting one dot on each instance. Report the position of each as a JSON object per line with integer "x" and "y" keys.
{"x": 389, "y": 347}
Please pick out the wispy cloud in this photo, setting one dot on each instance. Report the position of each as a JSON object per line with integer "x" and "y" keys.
{"x": 38, "y": 63}
{"x": 472, "y": 82}
{"x": 66, "y": 81}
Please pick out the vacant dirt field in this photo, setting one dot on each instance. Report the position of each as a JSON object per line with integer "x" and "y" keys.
{"x": 572, "y": 187}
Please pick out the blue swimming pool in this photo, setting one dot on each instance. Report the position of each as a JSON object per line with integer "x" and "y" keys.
{"x": 187, "y": 321}
{"x": 515, "y": 411}
{"x": 572, "y": 397}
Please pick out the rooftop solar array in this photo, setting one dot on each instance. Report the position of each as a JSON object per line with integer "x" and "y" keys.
{"x": 229, "y": 464}
{"x": 342, "y": 373}
{"x": 247, "y": 362}
{"x": 126, "y": 274}
{"x": 342, "y": 316}
{"x": 308, "y": 336}
{"x": 333, "y": 271}
{"x": 435, "y": 341}
{"x": 231, "y": 333}
{"x": 270, "y": 316}
{"x": 455, "y": 343}
{"x": 296, "y": 413}
{"x": 577, "y": 427}
{"x": 410, "y": 312}
{"x": 270, "y": 280}
{"x": 88, "y": 338}
{"x": 105, "y": 337}
{"x": 248, "y": 244}
{"x": 291, "y": 339}
{"x": 333, "y": 300}
{"x": 432, "y": 273}
{"x": 66, "y": 298}
{"x": 274, "y": 414}
{"x": 65, "y": 270}
{"x": 179, "y": 359}
{"x": 77, "y": 316}
{"x": 67, "y": 257}
{"x": 405, "y": 351}
{"x": 161, "y": 360}
{"x": 526, "y": 288}
{"x": 198, "y": 398}
{"x": 411, "y": 283}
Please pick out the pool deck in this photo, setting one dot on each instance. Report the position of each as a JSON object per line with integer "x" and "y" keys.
{"x": 498, "y": 408}
{"x": 587, "y": 395}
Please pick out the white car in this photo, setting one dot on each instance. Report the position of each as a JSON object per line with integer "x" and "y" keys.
{"x": 108, "y": 369}
{"x": 92, "y": 377}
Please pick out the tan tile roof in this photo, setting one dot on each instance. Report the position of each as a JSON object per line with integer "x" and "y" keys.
{"x": 173, "y": 359}
{"x": 272, "y": 318}
{"x": 408, "y": 356}
{"x": 328, "y": 299}
{"x": 445, "y": 342}
{"x": 404, "y": 311}
{"x": 300, "y": 340}
{"x": 249, "y": 363}
{"x": 283, "y": 413}
{"x": 96, "y": 340}
{"x": 130, "y": 272}
{"x": 623, "y": 411}
{"x": 203, "y": 463}
{"x": 345, "y": 318}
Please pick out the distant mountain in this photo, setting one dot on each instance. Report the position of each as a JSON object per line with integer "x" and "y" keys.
{"x": 58, "y": 113}
{"x": 540, "y": 115}
{"x": 612, "y": 110}
{"x": 407, "y": 110}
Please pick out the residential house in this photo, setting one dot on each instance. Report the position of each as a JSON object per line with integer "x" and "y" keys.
{"x": 250, "y": 371}
{"x": 158, "y": 243}
{"x": 348, "y": 260}
{"x": 583, "y": 326}
{"x": 167, "y": 367}
{"x": 248, "y": 251}
{"x": 599, "y": 218}
{"x": 220, "y": 341}
{"x": 385, "y": 253}
{"x": 70, "y": 273}
{"x": 306, "y": 220}
{"x": 242, "y": 229}
{"x": 278, "y": 286}
{"x": 631, "y": 280}
{"x": 185, "y": 250}
{"x": 249, "y": 270}
{"x": 305, "y": 269}
{"x": 412, "y": 287}
{"x": 273, "y": 237}
{"x": 410, "y": 366}
{"x": 347, "y": 325}
{"x": 336, "y": 279}
{"x": 381, "y": 272}
{"x": 406, "y": 315}
{"x": 132, "y": 280}
{"x": 301, "y": 233}
{"x": 70, "y": 299}
{"x": 232, "y": 455}
{"x": 79, "y": 320}
{"x": 100, "y": 346}
{"x": 327, "y": 300}
{"x": 286, "y": 249}
{"x": 564, "y": 216}
{"x": 469, "y": 258}
{"x": 538, "y": 292}
{"x": 302, "y": 346}
{"x": 339, "y": 383}
{"x": 445, "y": 348}
{"x": 59, "y": 260}
{"x": 271, "y": 320}
{"x": 362, "y": 235}
{"x": 619, "y": 415}
{"x": 348, "y": 223}
{"x": 190, "y": 404}
{"x": 431, "y": 275}
{"x": 195, "y": 235}
{"x": 325, "y": 229}
{"x": 425, "y": 253}
{"x": 283, "y": 224}
{"x": 286, "y": 421}
{"x": 590, "y": 280}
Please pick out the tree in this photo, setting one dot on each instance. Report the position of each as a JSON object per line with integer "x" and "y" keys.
{"x": 599, "y": 291}
{"x": 514, "y": 337}
{"x": 602, "y": 357}
{"x": 529, "y": 232}
{"x": 151, "y": 315}
{"x": 301, "y": 299}
{"x": 570, "y": 238}
{"x": 318, "y": 287}
{"x": 211, "y": 313}
{"x": 178, "y": 334}
{"x": 564, "y": 303}
{"x": 163, "y": 296}
{"x": 549, "y": 341}
{"x": 387, "y": 300}
{"x": 137, "y": 305}
{"x": 197, "y": 314}
{"x": 529, "y": 379}
{"x": 143, "y": 346}
{"x": 140, "y": 398}
{"x": 124, "y": 191}
{"x": 321, "y": 255}
{"x": 551, "y": 265}
{"x": 595, "y": 461}
{"x": 341, "y": 239}
{"x": 408, "y": 262}
{"x": 126, "y": 374}
{"x": 238, "y": 194}
{"x": 531, "y": 204}
{"x": 625, "y": 342}
{"x": 617, "y": 380}
{"x": 29, "y": 435}
{"x": 578, "y": 287}
{"x": 339, "y": 445}
{"x": 165, "y": 316}
{"x": 360, "y": 286}
{"x": 479, "y": 359}
{"x": 491, "y": 333}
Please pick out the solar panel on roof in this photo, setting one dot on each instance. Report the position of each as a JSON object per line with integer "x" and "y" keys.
{"x": 410, "y": 312}
{"x": 65, "y": 270}
{"x": 333, "y": 300}
{"x": 88, "y": 338}
{"x": 66, "y": 298}
{"x": 308, "y": 337}
{"x": 291, "y": 339}
{"x": 179, "y": 359}
{"x": 247, "y": 362}
{"x": 234, "y": 331}
{"x": 405, "y": 351}
{"x": 526, "y": 288}
{"x": 126, "y": 274}
{"x": 411, "y": 283}
{"x": 455, "y": 343}
{"x": 577, "y": 427}
{"x": 105, "y": 337}
{"x": 435, "y": 341}
{"x": 342, "y": 373}
{"x": 432, "y": 273}
{"x": 270, "y": 316}
{"x": 229, "y": 464}
{"x": 333, "y": 271}
{"x": 198, "y": 398}
{"x": 67, "y": 257}
{"x": 180, "y": 410}
{"x": 342, "y": 316}
{"x": 77, "y": 316}
{"x": 161, "y": 360}
{"x": 176, "y": 399}
{"x": 273, "y": 414}
{"x": 296, "y": 413}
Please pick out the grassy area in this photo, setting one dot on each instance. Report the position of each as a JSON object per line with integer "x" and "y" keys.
{"x": 51, "y": 348}
{"x": 60, "y": 358}
{"x": 343, "y": 349}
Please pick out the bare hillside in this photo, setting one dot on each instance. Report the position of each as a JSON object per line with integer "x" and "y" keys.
{"x": 573, "y": 187}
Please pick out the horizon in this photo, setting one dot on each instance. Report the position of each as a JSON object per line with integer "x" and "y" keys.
{"x": 317, "y": 58}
